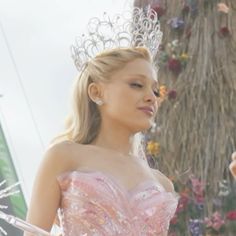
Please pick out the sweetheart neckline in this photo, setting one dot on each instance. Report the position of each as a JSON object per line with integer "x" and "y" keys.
{"x": 112, "y": 179}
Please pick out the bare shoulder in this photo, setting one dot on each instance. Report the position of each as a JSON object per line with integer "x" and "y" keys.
{"x": 164, "y": 180}
{"x": 46, "y": 193}
{"x": 59, "y": 157}
{"x": 62, "y": 147}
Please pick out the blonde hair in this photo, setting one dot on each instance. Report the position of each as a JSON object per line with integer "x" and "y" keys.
{"x": 83, "y": 124}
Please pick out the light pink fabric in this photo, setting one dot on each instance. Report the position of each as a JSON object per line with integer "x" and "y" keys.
{"x": 93, "y": 203}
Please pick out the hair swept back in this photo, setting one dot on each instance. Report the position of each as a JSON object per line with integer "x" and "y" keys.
{"x": 83, "y": 124}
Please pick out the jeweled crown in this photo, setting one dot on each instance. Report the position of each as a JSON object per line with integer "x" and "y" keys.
{"x": 139, "y": 27}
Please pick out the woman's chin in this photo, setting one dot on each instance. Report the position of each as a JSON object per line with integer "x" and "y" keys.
{"x": 145, "y": 126}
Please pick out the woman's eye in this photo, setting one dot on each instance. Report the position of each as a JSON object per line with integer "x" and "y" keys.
{"x": 137, "y": 85}
{"x": 157, "y": 93}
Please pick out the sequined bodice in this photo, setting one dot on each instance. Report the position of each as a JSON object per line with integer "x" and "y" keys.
{"x": 94, "y": 204}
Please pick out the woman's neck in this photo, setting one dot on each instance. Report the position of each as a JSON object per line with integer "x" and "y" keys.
{"x": 115, "y": 136}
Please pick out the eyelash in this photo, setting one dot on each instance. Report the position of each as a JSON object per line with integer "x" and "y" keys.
{"x": 157, "y": 94}
{"x": 137, "y": 85}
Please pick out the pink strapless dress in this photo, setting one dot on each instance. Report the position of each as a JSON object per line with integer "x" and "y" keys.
{"x": 95, "y": 204}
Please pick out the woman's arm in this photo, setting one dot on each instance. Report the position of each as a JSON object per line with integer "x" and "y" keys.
{"x": 45, "y": 196}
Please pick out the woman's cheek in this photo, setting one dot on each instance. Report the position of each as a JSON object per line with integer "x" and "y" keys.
{"x": 232, "y": 168}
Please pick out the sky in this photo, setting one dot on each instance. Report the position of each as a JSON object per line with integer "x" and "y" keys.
{"x": 36, "y": 72}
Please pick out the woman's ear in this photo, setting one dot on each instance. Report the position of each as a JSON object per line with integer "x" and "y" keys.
{"x": 95, "y": 91}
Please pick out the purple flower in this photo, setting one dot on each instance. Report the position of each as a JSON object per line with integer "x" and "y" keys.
{"x": 196, "y": 227}
{"x": 176, "y": 23}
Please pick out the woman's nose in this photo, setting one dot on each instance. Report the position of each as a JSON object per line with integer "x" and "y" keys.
{"x": 150, "y": 96}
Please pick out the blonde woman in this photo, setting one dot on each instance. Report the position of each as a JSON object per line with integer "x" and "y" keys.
{"x": 95, "y": 176}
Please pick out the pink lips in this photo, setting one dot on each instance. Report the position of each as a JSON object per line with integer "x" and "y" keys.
{"x": 147, "y": 110}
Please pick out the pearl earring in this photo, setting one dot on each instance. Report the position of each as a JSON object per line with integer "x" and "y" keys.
{"x": 99, "y": 102}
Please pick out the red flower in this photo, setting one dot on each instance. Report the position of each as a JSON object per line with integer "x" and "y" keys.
{"x": 172, "y": 94}
{"x": 183, "y": 203}
{"x": 224, "y": 31}
{"x": 174, "y": 65}
{"x": 186, "y": 8}
{"x": 231, "y": 215}
{"x": 158, "y": 9}
{"x": 199, "y": 198}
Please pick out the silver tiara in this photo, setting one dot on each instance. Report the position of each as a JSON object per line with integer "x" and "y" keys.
{"x": 141, "y": 27}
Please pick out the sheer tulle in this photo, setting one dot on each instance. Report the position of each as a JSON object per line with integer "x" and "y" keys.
{"x": 93, "y": 203}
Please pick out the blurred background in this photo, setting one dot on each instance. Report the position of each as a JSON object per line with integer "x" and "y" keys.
{"x": 195, "y": 132}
